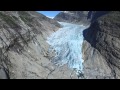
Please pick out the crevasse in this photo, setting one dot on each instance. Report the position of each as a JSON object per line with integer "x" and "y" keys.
{"x": 67, "y": 43}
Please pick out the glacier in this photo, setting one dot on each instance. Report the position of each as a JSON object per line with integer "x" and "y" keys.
{"x": 67, "y": 43}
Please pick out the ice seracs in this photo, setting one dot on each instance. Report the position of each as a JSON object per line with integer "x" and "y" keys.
{"x": 67, "y": 43}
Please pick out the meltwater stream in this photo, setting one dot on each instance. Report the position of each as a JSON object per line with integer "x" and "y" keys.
{"x": 67, "y": 42}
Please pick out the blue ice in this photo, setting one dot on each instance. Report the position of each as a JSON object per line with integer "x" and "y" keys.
{"x": 67, "y": 43}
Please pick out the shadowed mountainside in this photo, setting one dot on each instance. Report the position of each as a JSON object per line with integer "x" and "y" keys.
{"x": 101, "y": 47}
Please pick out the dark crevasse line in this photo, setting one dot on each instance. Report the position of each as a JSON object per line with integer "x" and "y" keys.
{"x": 67, "y": 43}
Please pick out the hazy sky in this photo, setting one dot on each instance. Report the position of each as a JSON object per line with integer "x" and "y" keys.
{"x": 50, "y": 14}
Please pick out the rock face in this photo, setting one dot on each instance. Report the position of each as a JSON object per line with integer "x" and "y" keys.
{"x": 23, "y": 47}
{"x": 101, "y": 50}
{"x": 93, "y": 15}
{"x": 24, "y": 52}
{"x": 78, "y": 17}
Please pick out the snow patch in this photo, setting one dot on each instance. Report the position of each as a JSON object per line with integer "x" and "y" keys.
{"x": 67, "y": 12}
{"x": 50, "y": 17}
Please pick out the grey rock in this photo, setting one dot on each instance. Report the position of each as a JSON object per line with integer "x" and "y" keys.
{"x": 104, "y": 38}
{"x": 77, "y": 17}
{"x": 93, "y": 15}
{"x": 24, "y": 52}
{"x": 3, "y": 74}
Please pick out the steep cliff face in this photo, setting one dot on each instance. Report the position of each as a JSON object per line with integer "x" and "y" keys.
{"x": 23, "y": 47}
{"x": 101, "y": 50}
{"x": 78, "y": 17}
{"x": 93, "y": 15}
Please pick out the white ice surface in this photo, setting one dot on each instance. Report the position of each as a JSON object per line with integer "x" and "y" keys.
{"x": 67, "y": 42}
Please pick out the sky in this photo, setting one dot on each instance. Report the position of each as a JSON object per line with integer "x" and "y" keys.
{"x": 50, "y": 14}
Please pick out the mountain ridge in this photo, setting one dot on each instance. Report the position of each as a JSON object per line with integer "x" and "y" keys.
{"x": 73, "y": 17}
{"x": 24, "y": 52}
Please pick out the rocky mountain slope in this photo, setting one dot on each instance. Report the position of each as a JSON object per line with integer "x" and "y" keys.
{"x": 101, "y": 41}
{"x": 93, "y": 15}
{"x": 24, "y": 53}
{"x": 78, "y": 17}
{"x": 101, "y": 50}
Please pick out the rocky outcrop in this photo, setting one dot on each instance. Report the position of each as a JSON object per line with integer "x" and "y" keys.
{"x": 101, "y": 49}
{"x": 24, "y": 52}
{"x": 77, "y": 17}
{"x": 93, "y": 15}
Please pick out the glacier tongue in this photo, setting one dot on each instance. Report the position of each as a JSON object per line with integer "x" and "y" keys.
{"x": 67, "y": 43}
